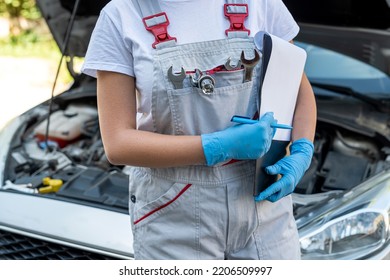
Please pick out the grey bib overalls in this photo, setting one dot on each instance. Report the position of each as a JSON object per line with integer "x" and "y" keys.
{"x": 201, "y": 212}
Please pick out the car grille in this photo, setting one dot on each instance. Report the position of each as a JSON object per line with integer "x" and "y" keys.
{"x": 18, "y": 247}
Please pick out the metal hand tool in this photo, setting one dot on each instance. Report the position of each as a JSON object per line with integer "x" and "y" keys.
{"x": 177, "y": 80}
{"x": 249, "y": 64}
{"x": 230, "y": 67}
{"x": 26, "y": 188}
{"x": 194, "y": 79}
{"x": 203, "y": 81}
{"x": 206, "y": 83}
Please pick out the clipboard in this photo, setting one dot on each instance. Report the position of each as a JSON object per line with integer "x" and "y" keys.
{"x": 280, "y": 77}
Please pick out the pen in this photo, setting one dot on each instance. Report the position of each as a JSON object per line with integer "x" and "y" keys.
{"x": 245, "y": 120}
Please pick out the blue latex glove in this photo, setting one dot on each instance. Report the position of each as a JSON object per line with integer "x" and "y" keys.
{"x": 242, "y": 141}
{"x": 292, "y": 168}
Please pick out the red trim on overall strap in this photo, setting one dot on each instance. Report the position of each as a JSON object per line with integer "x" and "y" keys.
{"x": 231, "y": 162}
{"x": 164, "y": 205}
{"x": 159, "y": 31}
{"x": 236, "y": 19}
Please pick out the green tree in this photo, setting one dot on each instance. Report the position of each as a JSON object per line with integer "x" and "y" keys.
{"x": 19, "y": 12}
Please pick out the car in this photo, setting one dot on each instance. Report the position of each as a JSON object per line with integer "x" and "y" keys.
{"x": 60, "y": 198}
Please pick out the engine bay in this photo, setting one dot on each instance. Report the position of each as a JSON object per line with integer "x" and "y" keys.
{"x": 342, "y": 160}
{"x": 68, "y": 161}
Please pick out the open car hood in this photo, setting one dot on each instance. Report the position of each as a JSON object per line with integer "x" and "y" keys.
{"x": 57, "y": 14}
{"x": 365, "y": 14}
{"x": 359, "y": 29}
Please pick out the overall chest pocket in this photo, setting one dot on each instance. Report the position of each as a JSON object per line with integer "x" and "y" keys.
{"x": 194, "y": 112}
{"x": 184, "y": 108}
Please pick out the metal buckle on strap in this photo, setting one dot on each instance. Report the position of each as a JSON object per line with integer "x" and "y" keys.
{"x": 236, "y": 13}
{"x": 158, "y": 25}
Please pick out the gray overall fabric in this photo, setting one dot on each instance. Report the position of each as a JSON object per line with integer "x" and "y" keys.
{"x": 200, "y": 212}
{"x": 203, "y": 213}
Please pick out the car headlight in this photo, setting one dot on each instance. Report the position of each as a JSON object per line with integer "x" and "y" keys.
{"x": 347, "y": 236}
{"x": 357, "y": 227}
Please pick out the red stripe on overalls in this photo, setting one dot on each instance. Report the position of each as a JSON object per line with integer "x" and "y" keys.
{"x": 164, "y": 205}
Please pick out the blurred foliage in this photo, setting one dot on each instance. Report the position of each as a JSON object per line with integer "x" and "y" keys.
{"x": 29, "y": 43}
{"x": 22, "y": 14}
{"x": 29, "y": 35}
{"x": 27, "y": 29}
{"x": 19, "y": 8}
{"x": 35, "y": 40}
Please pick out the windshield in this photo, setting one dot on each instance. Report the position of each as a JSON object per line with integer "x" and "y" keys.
{"x": 328, "y": 67}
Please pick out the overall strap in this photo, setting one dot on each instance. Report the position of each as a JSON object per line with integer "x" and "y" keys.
{"x": 147, "y": 7}
{"x": 236, "y": 11}
{"x": 235, "y": 2}
{"x": 152, "y": 7}
{"x": 155, "y": 20}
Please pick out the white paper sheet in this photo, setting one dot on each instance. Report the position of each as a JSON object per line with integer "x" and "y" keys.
{"x": 281, "y": 83}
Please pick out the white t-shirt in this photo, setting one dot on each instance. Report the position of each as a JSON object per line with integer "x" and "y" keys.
{"x": 120, "y": 42}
